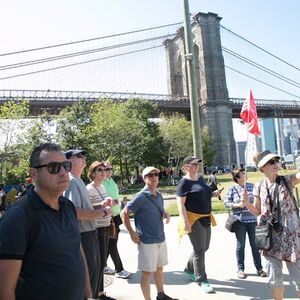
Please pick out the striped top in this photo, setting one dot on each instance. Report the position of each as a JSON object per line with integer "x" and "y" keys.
{"x": 97, "y": 196}
{"x": 234, "y": 195}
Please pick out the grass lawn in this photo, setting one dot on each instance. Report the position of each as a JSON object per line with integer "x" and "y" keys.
{"x": 225, "y": 180}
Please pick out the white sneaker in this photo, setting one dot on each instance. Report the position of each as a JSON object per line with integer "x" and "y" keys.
{"x": 123, "y": 274}
{"x": 109, "y": 271}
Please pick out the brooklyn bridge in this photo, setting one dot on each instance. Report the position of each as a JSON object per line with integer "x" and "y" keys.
{"x": 154, "y": 59}
{"x": 53, "y": 101}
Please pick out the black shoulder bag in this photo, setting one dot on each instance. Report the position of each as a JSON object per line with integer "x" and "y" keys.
{"x": 231, "y": 221}
{"x": 263, "y": 232}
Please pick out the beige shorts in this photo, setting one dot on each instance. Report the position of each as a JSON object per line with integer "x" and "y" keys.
{"x": 152, "y": 256}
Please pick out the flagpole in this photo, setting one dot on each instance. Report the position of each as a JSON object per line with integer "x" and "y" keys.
{"x": 247, "y": 108}
{"x": 247, "y": 144}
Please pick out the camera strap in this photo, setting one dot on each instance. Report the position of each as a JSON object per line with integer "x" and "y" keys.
{"x": 274, "y": 201}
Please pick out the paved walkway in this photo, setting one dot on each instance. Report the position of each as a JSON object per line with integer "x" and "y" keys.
{"x": 220, "y": 264}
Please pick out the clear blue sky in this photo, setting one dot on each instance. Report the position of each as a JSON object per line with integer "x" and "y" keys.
{"x": 274, "y": 24}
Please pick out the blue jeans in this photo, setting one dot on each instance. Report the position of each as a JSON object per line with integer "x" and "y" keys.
{"x": 240, "y": 233}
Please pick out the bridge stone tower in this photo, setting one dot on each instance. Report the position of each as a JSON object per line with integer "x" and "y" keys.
{"x": 215, "y": 108}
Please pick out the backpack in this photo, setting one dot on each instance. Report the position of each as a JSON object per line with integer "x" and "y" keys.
{"x": 32, "y": 218}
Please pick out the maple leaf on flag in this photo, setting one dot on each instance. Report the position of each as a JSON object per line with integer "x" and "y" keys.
{"x": 249, "y": 115}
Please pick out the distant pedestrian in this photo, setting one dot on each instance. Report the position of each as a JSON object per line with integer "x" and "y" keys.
{"x": 22, "y": 190}
{"x": 2, "y": 199}
{"x": 147, "y": 207}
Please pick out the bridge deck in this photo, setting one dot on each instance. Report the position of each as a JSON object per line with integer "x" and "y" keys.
{"x": 54, "y": 101}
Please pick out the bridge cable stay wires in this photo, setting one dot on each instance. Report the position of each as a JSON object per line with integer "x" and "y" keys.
{"x": 91, "y": 39}
{"x": 260, "y": 48}
{"x": 79, "y": 63}
{"x": 79, "y": 53}
{"x": 261, "y": 67}
{"x": 262, "y": 82}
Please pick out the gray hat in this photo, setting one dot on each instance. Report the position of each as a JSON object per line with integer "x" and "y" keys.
{"x": 191, "y": 160}
{"x": 72, "y": 152}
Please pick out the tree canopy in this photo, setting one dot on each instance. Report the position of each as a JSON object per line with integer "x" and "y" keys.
{"x": 130, "y": 134}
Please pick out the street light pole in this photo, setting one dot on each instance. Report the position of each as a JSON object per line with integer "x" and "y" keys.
{"x": 192, "y": 86}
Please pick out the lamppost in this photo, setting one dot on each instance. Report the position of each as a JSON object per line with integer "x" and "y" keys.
{"x": 193, "y": 94}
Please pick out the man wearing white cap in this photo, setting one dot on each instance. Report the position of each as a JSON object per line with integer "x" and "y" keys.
{"x": 148, "y": 209}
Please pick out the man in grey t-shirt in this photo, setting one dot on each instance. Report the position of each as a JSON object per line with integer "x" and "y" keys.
{"x": 86, "y": 215}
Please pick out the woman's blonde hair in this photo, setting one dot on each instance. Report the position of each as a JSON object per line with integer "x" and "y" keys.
{"x": 93, "y": 167}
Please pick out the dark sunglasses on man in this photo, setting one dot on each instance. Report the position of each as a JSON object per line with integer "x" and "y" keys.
{"x": 79, "y": 155}
{"x": 150, "y": 175}
{"x": 54, "y": 167}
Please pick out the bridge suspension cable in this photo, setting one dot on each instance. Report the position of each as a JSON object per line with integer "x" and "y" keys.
{"x": 74, "y": 54}
{"x": 261, "y": 67}
{"x": 91, "y": 39}
{"x": 260, "y": 81}
{"x": 260, "y": 48}
{"x": 79, "y": 63}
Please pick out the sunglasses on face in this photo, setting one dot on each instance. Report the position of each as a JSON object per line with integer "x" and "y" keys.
{"x": 152, "y": 174}
{"x": 79, "y": 155}
{"x": 273, "y": 161}
{"x": 108, "y": 169}
{"x": 100, "y": 170}
{"x": 54, "y": 167}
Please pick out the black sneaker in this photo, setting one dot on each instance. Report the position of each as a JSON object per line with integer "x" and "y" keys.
{"x": 165, "y": 297}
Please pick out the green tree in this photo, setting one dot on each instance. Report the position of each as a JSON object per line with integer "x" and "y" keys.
{"x": 126, "y": 134}
{"x": 39, "y": 131}
{"x": 73, "y": 123}
{"x": 13, "y": 123}
{"x": 207, "y": 147}
{"x": 121, "y": 132}
{"x": 177, "y": 133}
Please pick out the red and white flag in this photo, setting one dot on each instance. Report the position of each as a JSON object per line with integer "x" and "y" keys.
{"x": 249, "y": 115}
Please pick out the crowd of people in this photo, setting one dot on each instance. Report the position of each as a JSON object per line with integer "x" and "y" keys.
{"x": 60, "y": 228}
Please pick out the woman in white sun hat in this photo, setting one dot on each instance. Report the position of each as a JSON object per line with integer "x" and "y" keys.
{"x": 275, "y": 189}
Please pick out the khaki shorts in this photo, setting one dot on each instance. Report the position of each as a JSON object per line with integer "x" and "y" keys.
{"x": 152, "y": 256}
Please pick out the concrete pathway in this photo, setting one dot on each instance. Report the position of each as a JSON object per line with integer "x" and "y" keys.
{"x": 220, "y": 265}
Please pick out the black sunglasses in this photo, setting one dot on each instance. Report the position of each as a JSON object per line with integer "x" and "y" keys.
{"x": 108, "y": 169}
{"x": 100, "y": 170}
{"x": 54, "y": 167}
{"x": 152, "y": 174}
{"x": 273, "y": 161}
{"x": 79, "y": 155}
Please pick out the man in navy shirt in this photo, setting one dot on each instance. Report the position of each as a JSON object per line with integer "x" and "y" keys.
{"x": 148, "y": 209}
{"x": 52, "y": 266}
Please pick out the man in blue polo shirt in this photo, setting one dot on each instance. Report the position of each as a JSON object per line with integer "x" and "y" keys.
{"x": 148, "y": 209}
{"x": 52, "y": 266}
